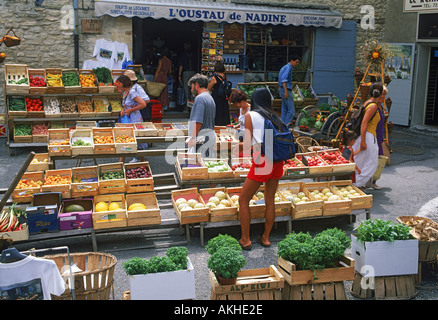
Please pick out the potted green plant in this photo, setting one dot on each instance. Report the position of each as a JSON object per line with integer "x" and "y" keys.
{"x": 225, "y": 263}
{"x": 169, "y": 277}
{"x": 220, "y": 241}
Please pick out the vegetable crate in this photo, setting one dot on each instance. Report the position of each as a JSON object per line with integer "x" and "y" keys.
{"x": 110, "y": 219}
{"x": 322, "y": 167}
{"x": 228, "y": 173}
{"x": 107, "y": 88}
{"x": 88, "y": 87}
{"x": 310, "y": 98}
{"x": 252, "y": 284}
{"x": 125, "y": 140}
{"x": 112, "y": 185}
{"x": 330, "y": 208}
{"x": 101, "y": 106}
{"x": 326, "y": 284}
{"x": 344, "y": 167}
{"x": 27, "y": 186}
{"x": 37, "y": 73}
{"x": 85, "y": 124}
{"x": 302, "y": 209}
{"x": 85, "y": 107}
{"x": 182, "y": 128}
{"x": 60, "y": 89}
{"x": 257, "y": 211}
{"x": 142, "y": 217}
{"x": 145, "y": 129}
{"x": 59, "y": 142}
{"x": 51, "y": 107}
{"x": 135, "y": 185}
{"x": 20, "y": 132}
{"x": 240, "y": 172}
{"x": 15, "y": 73}
{"x": 16, "y": 107}
{"x": 190, "y": 216}
{"x": 191, "y": 166}
{"x": 363, "y": 201}
{"x": 282, "y": 205}
{"x": 225, "y": 140}
{"x": 101, "y": 135}
{"x": 71, "y": 89}
{"x": 293, "y": 167}
{"x": 63, "y": 187}
{"x": 40, "y": 162}
{"x": 219, "y": 214}
{"x": 40, "y": 132}
{"x": 85, "y": 182}
{"x": 86, "y": 136}
{"x": 166, "y": 129}
{"x": 116, "y": 105}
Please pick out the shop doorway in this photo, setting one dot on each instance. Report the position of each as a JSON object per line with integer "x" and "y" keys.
{"x": 431, "y": 117}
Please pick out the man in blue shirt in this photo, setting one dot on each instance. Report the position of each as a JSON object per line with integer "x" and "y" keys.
{"x": 285, "y": 90}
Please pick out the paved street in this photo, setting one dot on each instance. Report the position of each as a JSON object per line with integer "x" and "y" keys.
{"x": 409, "y": 188}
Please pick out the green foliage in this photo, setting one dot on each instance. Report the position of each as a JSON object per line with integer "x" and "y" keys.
{"x": 379, "y": 230}
{"x": 179, "y": 256}
{"x": 226, "y": 262}
{"x": 222, "y": 240}
{"x": 135, "y": 265}
{"x": 160, "y": 264}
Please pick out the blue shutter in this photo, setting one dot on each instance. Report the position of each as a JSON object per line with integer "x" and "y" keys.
{"x": 334, "y": 60}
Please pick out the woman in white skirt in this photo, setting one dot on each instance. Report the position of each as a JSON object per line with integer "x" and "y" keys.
{"x": 367, "y": 158}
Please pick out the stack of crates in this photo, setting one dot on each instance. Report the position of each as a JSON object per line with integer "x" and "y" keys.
{"x": 157, "y": 111}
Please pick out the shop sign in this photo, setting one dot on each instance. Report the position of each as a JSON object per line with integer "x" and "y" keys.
{"x": 91, "y": 26}
{"x": 420, "y": 5}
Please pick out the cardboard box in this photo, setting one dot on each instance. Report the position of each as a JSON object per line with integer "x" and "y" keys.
{"x": 42, "y": 215}
{"x": 78, "y": 219}
{"x": 385, "y": 258}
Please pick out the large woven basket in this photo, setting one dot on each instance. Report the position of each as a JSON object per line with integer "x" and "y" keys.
{"x": 94, "y": 282}
{"x": 380, "y": 166}
{"x": 305, "y": 142}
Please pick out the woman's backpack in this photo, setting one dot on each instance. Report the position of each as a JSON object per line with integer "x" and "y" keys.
{"x": 282, "y": 146}
{"x": 224, "y": 86}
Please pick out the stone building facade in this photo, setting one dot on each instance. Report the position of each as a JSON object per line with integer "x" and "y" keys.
{"x": 48, "y": 37}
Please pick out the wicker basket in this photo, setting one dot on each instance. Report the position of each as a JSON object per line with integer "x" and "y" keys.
{"x": 11, "y": 41}
{"x": 304, "y": 143}
{"x": 364, "y": 92}
{"x": 380, "y": 166}
{"x": 95, "y": 281}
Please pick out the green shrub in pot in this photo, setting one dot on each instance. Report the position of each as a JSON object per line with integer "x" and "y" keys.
{"x": 226, "y": 262}
{"x": 220, "y": 241}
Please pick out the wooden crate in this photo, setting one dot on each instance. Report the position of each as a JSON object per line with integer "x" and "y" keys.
{"x": 40, "y": 138}
{"x": 330, "y": 208}
{"x": 86, "y": 124}
{"x": 64, "y": 189}
{"x": 240, "y": 173}
{"x": 47, "y": 105}
{"x": 22, "y": 139}
{"x": 58, "y": 136}
{"x": 116, "y": 74}
{"x": 85, "y": 135}
{"x": 323, "y": 168}
{"x": 225, "y": 140}
{"x": 219, "y": 214}
{"x": 85, "y": 100}
{"x": 283, "y": 207}
{"x": 301, "y": 169}
{"x": 113, "y": 185}
{"x": 345, "y": 167}
{"x": 192, "y": 216}
{"x": 107, "y": 89}
{"x": 16, "y": 114}
{"x": 257, "y": 211}
{"x": 42, "y": 164}
{"x": 126, "y": 147}
{"x": 165, "y": 129}
{"x": 26, "y": 194}
{"x": 88, "y": 89}
{"x": 198, "y": 172}
{"x": 312, "y": 208}
{"x": 364, "y": 201}
{"x": 107, "y": 148}
{"x": 72, "y": 89}
{"x": 85, "y": 182}
{"x": 181, "y": 128}
{"x": 326, "y": 284}
{"x": 150, "y": 216}
{"x": 55, "y": 90}
{"x": 110, "y": 219}
{"x": 37, "y": 73}
{"x": 16, "y": 72}
{"x": 145, "y": 129}
{"x": 141, "y": 184}
{"x": 252, "y": 284}
{"x": 218, "y": 174}
{"x": 101, "y": 106}
{"x": 307, "y": 101}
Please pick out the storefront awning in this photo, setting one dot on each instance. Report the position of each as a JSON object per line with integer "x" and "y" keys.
{"x": 187, "y": 10}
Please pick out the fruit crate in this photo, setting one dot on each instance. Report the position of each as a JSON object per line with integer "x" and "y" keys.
{"x": 227, "y": 173}
{"x": 182, "y": 127}
{"x": 190, "y": 216}
{"x": 115, "y": 74}
{"x": 85, "y": 182}
{"x": 142, "y": 217}
{"x": 363, "y": 201}
{"x": 257, "y": 211}
{"x": 16, "y": 72}
{"x": 145, "y": 129}
{"x": 91, "y": 89}
{"x": 322, "y": 168}
{"x": 126, "y": 146}
{"x": 16, "y": 114}
{"x": 40, "y": 162}
{"x": 85, "y": 107}
{"x": 40, "y": 138}
{"x": 35, "y": 114}
{"x": 21, "y": 195}
{"x": 293, "y": 167}
{"x": 56, "y": 137}
{"x": 112, "y": 185}
{"x": 283, "y": 207}
{"x": 116, "y": 105}
{"x": 138, "y": 184}
{"x": 104, "y": 148}
{"x": 54, "y": 89}
{"x": 190, "y": 167}
{"x": 311, "y": 208}
{"x": 72, "y": 89}
{"x": 37, "y": 73}
{"x": 85, "y": 135}
{"x": 107, "y": 88}
{"x": 23, "y": 139}
{"x": 343, "y": 167}
{"x": 64, "y": 188}
{"x": 225, "y": 140}
{"x": 330, "y": 208}
{"x": 101, "y": 106}
{"x": 219, "y": 214}
{"x": 110, "y": 218}
{"x": 166, "y": 129}
{"x": 242, "y": 173}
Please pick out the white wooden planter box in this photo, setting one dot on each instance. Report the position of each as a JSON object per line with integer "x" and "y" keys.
{"x": 385, "y": 258}
{"x": 175, "y": 285}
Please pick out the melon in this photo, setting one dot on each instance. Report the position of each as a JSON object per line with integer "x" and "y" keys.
{"x": 74, "y": 208}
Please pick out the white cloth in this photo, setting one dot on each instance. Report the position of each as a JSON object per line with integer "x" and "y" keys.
{"x": 366, "y": 160}
{"x": 111, "y": 53}
{"x": 258, "y": 127}
{"x": 121, "y": 55}
{"x": 92, "y": 64}
{"x": 31, "y": 277}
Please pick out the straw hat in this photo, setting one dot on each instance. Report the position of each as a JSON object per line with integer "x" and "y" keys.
{"x": 131, "y": 75}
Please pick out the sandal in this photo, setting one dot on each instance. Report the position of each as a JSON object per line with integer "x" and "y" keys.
{"x": 259, "y": 240}
{"x": 248, "y": 247}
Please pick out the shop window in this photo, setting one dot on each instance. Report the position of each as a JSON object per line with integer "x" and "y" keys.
{"x": 428, "y": 26}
